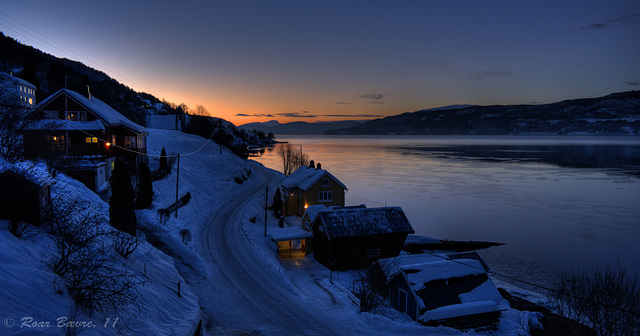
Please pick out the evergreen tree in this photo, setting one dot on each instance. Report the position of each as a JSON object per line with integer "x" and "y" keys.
{"x": 163, "y": 160}
{"x": 122, "y": 215}
{"x": 144, "y": 191}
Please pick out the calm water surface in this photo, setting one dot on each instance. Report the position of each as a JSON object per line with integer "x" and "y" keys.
{"x": 556, "y": 202}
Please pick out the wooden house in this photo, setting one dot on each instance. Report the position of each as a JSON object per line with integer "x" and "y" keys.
{"x": 310, "y": 186}
{"x": 87, "y": 132}
{"x": 439, "y": 290}
{"x": 24, "y": 199}
{"x": 354, "y": 237}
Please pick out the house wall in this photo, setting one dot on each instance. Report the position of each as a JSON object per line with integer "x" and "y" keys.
{"x": 342, "y": 253}
{"x": 23, "y": 200}
{"x": 292, "y": 202}
{"x": 395, "y": 285}
{"x": 334, "y": 187}
{"x": 294, "y": 205}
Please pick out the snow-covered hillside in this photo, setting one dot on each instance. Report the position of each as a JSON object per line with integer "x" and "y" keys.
{"x": 33, "y": 300}
{"x": 231, "y": 277}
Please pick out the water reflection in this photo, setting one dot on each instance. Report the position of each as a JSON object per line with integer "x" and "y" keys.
{"x": 552, "y": 200}
{"x": 573, "y": 156}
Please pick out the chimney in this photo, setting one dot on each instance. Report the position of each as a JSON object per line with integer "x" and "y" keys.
{"x": 318, "y": 166}
{"x": 89, "y": 92}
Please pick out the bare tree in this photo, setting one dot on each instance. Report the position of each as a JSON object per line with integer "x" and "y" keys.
{"x": 364, "y": 288}
{"x": 125, "y": 244}
{"x": 87, "y": 269}
{"x": 12, "y": 120}
{"x": 23, "y": 230}
{"x": 201, "y": 111}
{"x": 74, "y": 231}
{"x": 607, "y": 299}
{"x": 291, "y": 158}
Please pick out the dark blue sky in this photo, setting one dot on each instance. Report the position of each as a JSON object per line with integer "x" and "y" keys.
{"x": 331, "y": 60}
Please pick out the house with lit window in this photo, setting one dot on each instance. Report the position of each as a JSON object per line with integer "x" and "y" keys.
{"x": 14, "y": 88}
{"x": 354, "y": 237}
{"x": 87, "y": 133}
{"x": 311, "y": 186}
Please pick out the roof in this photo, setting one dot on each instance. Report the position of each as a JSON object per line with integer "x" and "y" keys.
{"x": 288, "y": 233}
{"x": 33, "y": 180}
{"x": 305, "y": 177}
{"x": 103, "y": 111}
{"x": 66, "y": 125}
{"x": 5, "y": 77}
{"x": 437, "y": 281}
{"x": 313, "y": 211}
{"x": 358, "y": 221}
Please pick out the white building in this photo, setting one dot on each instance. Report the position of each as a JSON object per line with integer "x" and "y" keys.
{"x": 11, "y": 86}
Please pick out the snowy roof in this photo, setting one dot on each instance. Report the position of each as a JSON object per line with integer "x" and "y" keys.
{"x": 103, "y": 111}
{"x": 357, "y": 221}
{"x": 464, "y": 279}
{"x": 313, "y": 210}
{"x": 66, "y": 125}
{"x": 460, "y": 309}
{"x": 288, "y": 233}
{"x": 305, "y": 177}
{"x": 7, "y": 78}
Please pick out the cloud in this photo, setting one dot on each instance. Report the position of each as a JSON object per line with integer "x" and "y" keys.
{"x": 487, "y": 74}
{"x": 353, "y": 115}
{"x": 343, "y": 103}
{"x": 632, "y": 83}
{"x": 619, "y": 20}
{"x": 301, "y": 114}
{"x": 254, "y": 115}
{"x": 372, "y": 96}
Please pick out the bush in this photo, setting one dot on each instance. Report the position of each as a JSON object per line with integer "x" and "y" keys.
{"x": 607, "y": 299}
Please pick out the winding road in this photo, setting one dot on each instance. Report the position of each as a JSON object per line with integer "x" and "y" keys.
{"x": 258, "y": 303}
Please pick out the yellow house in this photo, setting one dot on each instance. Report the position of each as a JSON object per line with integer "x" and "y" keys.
{"x": 311, "y": 186}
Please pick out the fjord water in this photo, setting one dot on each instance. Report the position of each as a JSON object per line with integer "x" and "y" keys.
{"x": 556, "y": 202}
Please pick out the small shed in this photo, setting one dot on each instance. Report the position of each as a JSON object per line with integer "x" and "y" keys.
{"x": 441, "y": 290}
{"x": 355, "y": 237}
{"x": 292, "y": 241}
{"x": 24, "y": 199}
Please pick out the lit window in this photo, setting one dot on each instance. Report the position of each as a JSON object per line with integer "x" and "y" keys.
{"x": 91, "y": 140}
{"x": 130, "y": 141}
{"x": 77, "y": 116}
{"x": 141, "y": 141}
{"x": 113, "y": 139}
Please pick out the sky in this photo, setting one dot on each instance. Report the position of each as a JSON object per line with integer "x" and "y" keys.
{"x": 253, "y": 61}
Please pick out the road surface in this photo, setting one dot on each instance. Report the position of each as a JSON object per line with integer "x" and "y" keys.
{"x": 244, "y": 296}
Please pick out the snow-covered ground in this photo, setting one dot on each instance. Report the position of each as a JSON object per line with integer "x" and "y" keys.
{"x": 231, "y": 275}
{"x": 32, "y": 300}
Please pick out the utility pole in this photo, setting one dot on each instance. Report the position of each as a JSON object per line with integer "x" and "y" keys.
{"x": 177, "y": 180}
{"x": 266, "y": 205}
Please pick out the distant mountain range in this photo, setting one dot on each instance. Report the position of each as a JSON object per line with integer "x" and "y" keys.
{"x": 300, "y": 127}
{"x": 615, "y": 114}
